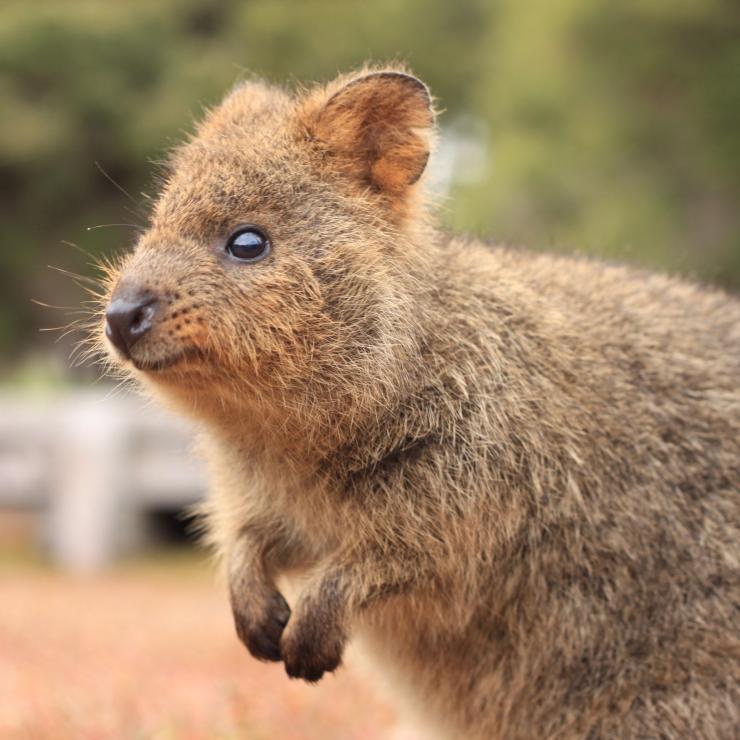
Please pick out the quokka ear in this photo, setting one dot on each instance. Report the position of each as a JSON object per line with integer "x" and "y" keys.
{"x": 378, "y": 128}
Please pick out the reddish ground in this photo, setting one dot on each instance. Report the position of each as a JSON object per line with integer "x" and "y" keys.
{"x": 149, "y": 651}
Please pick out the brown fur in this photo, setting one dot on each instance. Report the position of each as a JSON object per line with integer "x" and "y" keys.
{"x": 513, "y": 477}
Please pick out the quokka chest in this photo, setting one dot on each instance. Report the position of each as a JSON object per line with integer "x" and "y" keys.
{"x": 313, "y": 520}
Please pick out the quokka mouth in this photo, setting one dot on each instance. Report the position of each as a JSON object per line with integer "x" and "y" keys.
{"x": 165, "y": 363}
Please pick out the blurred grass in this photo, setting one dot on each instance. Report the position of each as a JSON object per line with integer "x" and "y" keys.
{"x": 148, "y": 650}
{"x": 22, "y": 551}
{"x": 611, "y": 129}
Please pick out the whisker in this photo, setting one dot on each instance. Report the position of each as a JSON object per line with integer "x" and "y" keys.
{"x": 139, "y": 227}
{"x": 81, "y": 250}
{"x": 74, "y": 275}
{"x": 81, "y": 354}
{"x": 116, "y": 388}
{"x": 138, "y": 212}
{"x": 75, "y": 325}
{"x": 68, "y": 332}
{"x": 57, "y": 308}
{"x": 114, "y": 183}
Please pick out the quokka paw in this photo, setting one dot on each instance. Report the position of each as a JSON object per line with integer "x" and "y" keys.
{"x": 310, "y": 648}
{"x": 260, "y": 621}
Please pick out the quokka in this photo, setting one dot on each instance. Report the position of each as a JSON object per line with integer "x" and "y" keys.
{"x": 513, "y": 477}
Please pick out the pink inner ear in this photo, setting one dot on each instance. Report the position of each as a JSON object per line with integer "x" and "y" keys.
{"x": 374, "y": 125}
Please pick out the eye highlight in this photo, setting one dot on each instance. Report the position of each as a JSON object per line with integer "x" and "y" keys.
{"x": 248, "y": 243}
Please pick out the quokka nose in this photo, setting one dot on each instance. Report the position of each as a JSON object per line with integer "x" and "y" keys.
{"x": 130, "y": 315}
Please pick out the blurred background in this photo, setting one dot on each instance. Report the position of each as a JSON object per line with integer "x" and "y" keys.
{"x": 573, "y": 125}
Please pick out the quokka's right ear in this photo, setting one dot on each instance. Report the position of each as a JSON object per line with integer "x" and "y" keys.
{"x": 378, "y": 128}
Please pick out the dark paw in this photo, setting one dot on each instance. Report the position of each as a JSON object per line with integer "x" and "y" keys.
{"x": 310, "y": 650}
{"x": 260, "y": 622}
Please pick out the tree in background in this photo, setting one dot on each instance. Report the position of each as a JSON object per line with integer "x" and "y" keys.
{"x": 615, "y": 132}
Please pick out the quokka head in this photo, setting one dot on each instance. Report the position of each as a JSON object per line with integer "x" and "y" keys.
{"x": 279, "y": 256}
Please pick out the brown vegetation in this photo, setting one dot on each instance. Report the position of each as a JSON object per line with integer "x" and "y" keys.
{"x": 148, "y": 651}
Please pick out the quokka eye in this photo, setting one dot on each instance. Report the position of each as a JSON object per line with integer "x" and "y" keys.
{"x": 248, "y": 244}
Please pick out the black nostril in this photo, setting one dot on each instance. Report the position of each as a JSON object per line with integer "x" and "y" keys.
{"x": 141, "y": 321}
{"x": 128, "y": 318}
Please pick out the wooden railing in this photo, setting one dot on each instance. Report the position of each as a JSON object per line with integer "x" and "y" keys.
{"x": 92, "y": 465}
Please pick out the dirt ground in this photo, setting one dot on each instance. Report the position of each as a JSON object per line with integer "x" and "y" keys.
{"x": 148, "y": 651}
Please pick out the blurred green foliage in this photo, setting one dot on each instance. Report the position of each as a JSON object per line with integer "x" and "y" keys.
{"x": 612, "y": 127}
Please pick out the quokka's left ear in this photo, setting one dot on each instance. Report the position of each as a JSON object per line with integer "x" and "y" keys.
{"x": 379, "y": 128}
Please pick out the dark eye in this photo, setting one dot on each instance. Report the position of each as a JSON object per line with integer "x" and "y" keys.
{"x": 248, "y": 244}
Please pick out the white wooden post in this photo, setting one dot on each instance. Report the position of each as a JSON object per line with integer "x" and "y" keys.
{"x": 87, "y": 511}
